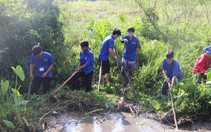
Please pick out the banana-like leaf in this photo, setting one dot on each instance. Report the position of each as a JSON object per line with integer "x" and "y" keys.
{"x": 19, "y": 72}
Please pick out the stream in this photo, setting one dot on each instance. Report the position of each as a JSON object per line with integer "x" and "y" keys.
{"x": 113, "y": 122}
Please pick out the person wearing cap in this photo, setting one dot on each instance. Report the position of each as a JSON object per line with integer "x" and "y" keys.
{"x": 202, "y": 63}
{"x": 41, "y": 65}
{"x": 171, "y": 71}
{"x": 86, "y": 67}
{"x": 130, "y": 54}
{"x": 107, "y": 48}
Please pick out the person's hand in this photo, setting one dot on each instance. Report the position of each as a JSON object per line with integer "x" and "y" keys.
{"x": 125, "y": 41}
{"x": 44, "y": 74}
{"x": 31, "y": 76}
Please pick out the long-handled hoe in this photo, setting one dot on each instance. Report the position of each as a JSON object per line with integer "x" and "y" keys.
{"x": 127, "y": 76}
{"x": 100, "y": 76}
{"x": 30, "y": 84}
{"x": 53, "y": 97}
{"x": 175, "y": 118}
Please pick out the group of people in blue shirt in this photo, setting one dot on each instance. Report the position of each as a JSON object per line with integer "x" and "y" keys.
{"x": 42, "y": 63}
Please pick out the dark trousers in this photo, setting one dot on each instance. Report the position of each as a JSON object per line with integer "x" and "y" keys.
{"x": 87, "y": 80}
{"x": 164, "y": 88}
{"x": 201, "y": 78}
{"x": 38, "y": 81}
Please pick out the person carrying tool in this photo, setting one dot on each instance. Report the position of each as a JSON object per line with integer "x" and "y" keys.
{"x": 130, "y": 54}
{"x": 86, "y": 67}
{"x": 171, "y": 72}
{"x": 202, "y": 63}
{"x": 107, "y": 49}
{"x": 41, "y": 65}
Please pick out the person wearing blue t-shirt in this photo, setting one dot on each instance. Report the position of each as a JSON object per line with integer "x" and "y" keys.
{"x": 86, "y": 67}
{"x": 130, "y": 54}
{"x": 41, "y": 65}
{"x": 171, "y": 72}
{"x": 105, "y": 51}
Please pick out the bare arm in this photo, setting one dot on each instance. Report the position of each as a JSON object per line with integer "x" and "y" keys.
{"x": 111, "y": 51}
{"x": 31, "y": 71}
{"x": 172, "y": 83}
{"x": 49, "y": 69}
{"x": 165, "y": 76}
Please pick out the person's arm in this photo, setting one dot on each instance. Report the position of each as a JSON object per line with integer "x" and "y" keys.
{"x": 31, "y": 71}
{"x": 124, "y": 40}
{"x": 165, "y": 76}
{"x": 172, "y": 83}
{"x": 51, "y": 63}
{"x": 111, "y": 51}
{"x": 200, "y": 65}
{"x": 88, "y": 62}
{"x": 49, "y": 69}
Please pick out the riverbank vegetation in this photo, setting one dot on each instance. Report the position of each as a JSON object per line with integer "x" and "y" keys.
{"x": 181, "y": 26}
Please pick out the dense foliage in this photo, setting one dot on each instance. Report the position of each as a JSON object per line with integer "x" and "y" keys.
{"x": 182, "y": 26}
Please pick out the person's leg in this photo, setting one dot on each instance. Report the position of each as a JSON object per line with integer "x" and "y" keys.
{"x": 105, "y": 71}
{"x": 164, "y": 88}
{"x": 131, "y": 68}
{"x": 88, "y": 81}
{"x": 36, "y": 83}
{"x": 46, "y": 83}
{"x": 124, "y": 70}
{"x": 201, "y": 78}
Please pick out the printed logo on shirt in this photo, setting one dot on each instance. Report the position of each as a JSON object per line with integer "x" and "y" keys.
{"x": 133, "y": 42}
{"x": 45, "y": 59}
{"x": 85, "y": 58}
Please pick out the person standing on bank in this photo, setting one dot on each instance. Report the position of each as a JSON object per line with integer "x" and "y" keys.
{"x": 86, "y": 67}
{"x": 203, "y": 63}
{"x": 130, "y": 54}
{"x": 105, "y": 51}
{"x": 171, "y": 72}
{"x": 41, "y": 65}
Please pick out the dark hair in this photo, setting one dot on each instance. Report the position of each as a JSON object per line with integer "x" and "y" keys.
{"x": 169, "y": 54}
{"x": 84, "y": 43}
{"x": 36, "y": 49}
{"x": 117, "y": 31}
{"x": 131, "y": 29}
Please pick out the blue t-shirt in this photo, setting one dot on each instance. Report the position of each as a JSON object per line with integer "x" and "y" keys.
{"x": 88, "y": 59}
{"x": 104, "y": 51}
{"x": 42, "y": 64}
{"x": 172, "y": 69}
{"x": 129, "y": 53}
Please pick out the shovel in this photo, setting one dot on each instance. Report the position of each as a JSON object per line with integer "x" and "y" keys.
{"x": 53, "y": 96}
{"x": 175, "y": 118}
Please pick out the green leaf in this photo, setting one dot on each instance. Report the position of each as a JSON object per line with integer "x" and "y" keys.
{"x": 208, "y": 73}
{"x": 19, "y": 72}
{"x": 155, "y": 104}
{"x": 4, "y": 87}
{"x": 25, "y": 121}
{"x": 9, "y": 124}
{"x": 16, "y": 92}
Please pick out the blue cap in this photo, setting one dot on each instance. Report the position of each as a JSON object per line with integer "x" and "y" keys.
{"x": 207, "y": 49}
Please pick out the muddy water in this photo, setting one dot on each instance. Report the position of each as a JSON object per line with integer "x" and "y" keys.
{"x": 114, "y": 122}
